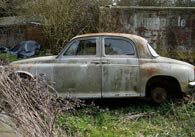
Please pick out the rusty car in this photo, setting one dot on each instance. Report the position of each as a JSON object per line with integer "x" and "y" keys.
{"x": 111, "y": 65}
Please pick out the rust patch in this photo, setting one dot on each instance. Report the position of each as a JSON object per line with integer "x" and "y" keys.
{"x": 151, "y": 71}
{"x": 140, "y": 48}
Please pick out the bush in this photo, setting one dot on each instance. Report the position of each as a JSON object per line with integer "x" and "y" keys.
{"x": 32, "y": 104}
{"x": 63, "y": 19}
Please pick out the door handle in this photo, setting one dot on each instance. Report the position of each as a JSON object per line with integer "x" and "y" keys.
{"x": 98, "y": 62}
{"x": 105, "y": 62}
{"x": 95, "y": 62}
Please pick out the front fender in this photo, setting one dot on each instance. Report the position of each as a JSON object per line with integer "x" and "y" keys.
{"x": 45, "y": 69}
{"x": 24, "y": 72}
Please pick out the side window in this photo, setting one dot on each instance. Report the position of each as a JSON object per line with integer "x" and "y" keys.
{"x": 115, "y": 46}
{"x": 82, "y": 47}
{"x": 72, "y": 49}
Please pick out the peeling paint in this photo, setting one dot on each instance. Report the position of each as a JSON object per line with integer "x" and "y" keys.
{"x": 151, "y": 71}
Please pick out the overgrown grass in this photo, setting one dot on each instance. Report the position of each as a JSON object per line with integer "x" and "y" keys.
{"x": 187, "y": 57}
{"x": 168, "y": 119}
{"x": 8, "y": 57}
{"x": 140, "y": 119}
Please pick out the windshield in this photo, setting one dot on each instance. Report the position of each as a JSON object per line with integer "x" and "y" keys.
{"x": 152, "y": 51}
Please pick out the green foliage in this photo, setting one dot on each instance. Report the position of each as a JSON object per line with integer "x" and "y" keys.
{"x": 142, "y": 2}
{"x": 169, "y": 119}
{"x": 185, "y": 3}
{"x": 63, "y": 19}
{"x": 179, "y": 3}
{"x": 151, "y": 3}
{"x": 8, "y": 7}
{"x": 3, "y": 4}
{"x": 183, "y": 56}
{"x": 7, "y": 58}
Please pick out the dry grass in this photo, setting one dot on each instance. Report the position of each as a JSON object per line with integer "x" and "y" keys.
{"x": 31, "y": 104}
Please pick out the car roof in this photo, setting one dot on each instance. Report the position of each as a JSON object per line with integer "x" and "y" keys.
{"x": 134, "y": 38}
{"x": 140, "y": 42}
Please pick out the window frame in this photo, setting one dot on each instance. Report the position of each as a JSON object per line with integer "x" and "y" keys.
{"x": 119, "y": 38}
{"x": 153, "y": 53}
{"x": 79, "y": 39}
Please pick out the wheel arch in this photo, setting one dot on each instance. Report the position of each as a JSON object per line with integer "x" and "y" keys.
{"x": 21, "y": 73}
{"x": 172, "y": 84}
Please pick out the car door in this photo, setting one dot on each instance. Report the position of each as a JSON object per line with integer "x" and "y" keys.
{"x": 120, "y": 68}
{"x": 78, "y": 71}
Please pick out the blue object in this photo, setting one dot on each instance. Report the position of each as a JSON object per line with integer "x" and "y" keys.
{"x": 25, "y": 49}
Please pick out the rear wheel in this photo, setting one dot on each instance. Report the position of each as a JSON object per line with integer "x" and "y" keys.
{"x": 159, "y": 94}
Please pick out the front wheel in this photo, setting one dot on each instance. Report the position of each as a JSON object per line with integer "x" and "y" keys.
{"x": 159, "y": 94}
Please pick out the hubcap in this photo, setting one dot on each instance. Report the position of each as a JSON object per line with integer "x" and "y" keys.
{"x": 159, "y": 95}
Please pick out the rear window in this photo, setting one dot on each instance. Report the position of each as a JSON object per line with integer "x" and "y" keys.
{"x": 115, "y": 46}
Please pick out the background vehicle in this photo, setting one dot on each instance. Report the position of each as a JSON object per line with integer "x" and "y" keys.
{"x": 24, "y": 49}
